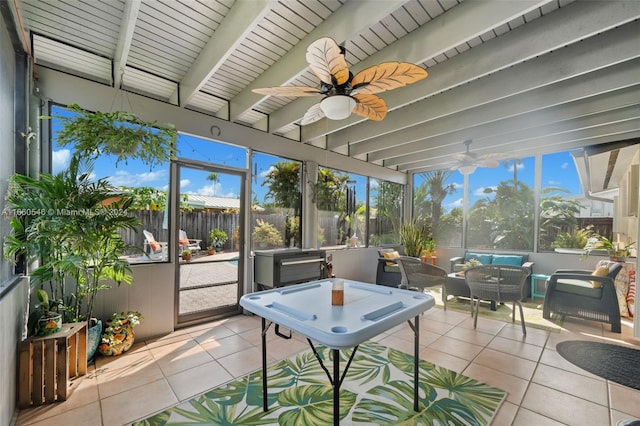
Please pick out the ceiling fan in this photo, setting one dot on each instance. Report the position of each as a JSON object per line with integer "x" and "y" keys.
{"x": 469, "y": 161}
{"x": 344, "y": 92}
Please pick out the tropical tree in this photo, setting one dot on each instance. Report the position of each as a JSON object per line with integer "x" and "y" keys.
{"x": 213, "y": 177}
{"x": 504, "y": 221}
{"x": 283, "y": 180}
{"x": 557, "y": 216}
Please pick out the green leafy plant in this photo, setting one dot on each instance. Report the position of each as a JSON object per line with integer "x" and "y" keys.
{"x": 49, "y": 309}
{"x": 91, "y": 134}
{"x": 412, "y": 238}
{"x": 115, "y": 332}
{"x": 70, "y": 223}
{"x": 577, "y": 239}
{"x": 265, "y": 235}
{"x": 217, "y": 237}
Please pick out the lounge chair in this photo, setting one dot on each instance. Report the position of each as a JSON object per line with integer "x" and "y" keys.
{"x": 582, "y": 294}
{"x": 186, "y": 243}
{"x": 152, "y": 248}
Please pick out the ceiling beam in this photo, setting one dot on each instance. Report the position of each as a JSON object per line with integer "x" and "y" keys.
{"x": 447, "y": 131}
{"x": 241, "y": 19}
{"x": 125, "y": 36}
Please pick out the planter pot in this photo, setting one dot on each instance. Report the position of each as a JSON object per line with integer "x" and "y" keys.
{"x": 93, "y": 339}
{"x": 124, "y": 335}
{"x": 49, "y": 324}
{"x": 617, "y": 255}
{"x": 211, "y": 252}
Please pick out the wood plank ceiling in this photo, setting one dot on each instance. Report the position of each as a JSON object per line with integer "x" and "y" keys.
{"x": 527, "y": 76}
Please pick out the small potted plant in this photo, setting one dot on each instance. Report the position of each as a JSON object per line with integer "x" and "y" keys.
{"x": 118, "y": 336}
{"x": 211, "y": 250}
{"x": 186, "y": 255}
{"x": 45, "y": 319}
{"x": 217, "y": 238}
{"x": 617, "y": 252}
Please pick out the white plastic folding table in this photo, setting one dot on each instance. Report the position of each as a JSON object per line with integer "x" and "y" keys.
{"x": 368, "y": 310}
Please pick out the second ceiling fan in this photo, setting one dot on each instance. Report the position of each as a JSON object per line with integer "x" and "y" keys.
{"x": 344, "y": 92}
{"x": 468, "y": 161}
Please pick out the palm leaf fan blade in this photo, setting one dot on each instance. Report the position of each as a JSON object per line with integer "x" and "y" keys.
{"x": 288, "y": 91}
{"x": 312, "y": 115}
{"x": 327, "y": 61}
{"x": 370, "y": 106}
{"x": 387, "y": 76}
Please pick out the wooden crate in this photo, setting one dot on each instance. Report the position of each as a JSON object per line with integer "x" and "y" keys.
{"x": 48, "y": 363}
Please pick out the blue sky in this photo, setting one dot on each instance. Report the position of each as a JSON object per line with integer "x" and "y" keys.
{"x": 557, "y": 170}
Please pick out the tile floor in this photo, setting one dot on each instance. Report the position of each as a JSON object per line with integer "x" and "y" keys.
{"x": 543, "y": 388}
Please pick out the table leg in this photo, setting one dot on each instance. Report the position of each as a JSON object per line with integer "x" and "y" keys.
{"x": 336, "y": 387}
{"x": 265, "y": 406}
{"x": 416, "y": 344}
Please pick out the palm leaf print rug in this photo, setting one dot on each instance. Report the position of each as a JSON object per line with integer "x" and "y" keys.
{"x": 377, "y": 390}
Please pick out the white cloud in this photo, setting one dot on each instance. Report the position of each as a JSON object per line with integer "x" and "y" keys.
{"x": 125, "y": 178}
{"x": 455, "y": 204}
{"x": 184, "y": 183}
{"x": 60, "y": 160}
{"x": 564, "y": 165}
{"x": 480, "y": 191}
{"x": 266, "y": 172}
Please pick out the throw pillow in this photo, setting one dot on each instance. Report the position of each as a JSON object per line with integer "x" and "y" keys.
{"x": 601, "y": 271}
{"x": 155, "y": 246}
{"x": 391, "y": 255}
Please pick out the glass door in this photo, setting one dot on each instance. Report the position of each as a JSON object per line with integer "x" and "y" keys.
{"x": 210, "y": 277}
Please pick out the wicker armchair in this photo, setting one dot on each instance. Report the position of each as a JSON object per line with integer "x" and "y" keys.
{"x": 418, "y": 275}
{"x": 571, "y": 292}
{"x": 497, "y": 282}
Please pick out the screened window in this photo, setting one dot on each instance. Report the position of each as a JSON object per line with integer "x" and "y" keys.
{"x": 147, "y": 186}
{"x": 276, "y": 202}
{"x": 341, "y": 201}
{"x": 385, "y": 212}
{"x": 437, "y": 205}
{"x": 501, "y": 206}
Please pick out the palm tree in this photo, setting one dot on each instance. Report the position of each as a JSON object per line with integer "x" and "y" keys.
{"x": 213, "y": 177}
{"x": 438, "y": 189}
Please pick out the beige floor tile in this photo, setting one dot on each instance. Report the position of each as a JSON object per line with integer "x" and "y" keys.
{"x": 505, "y": 415}
{"x": 85, "y": 392}
{"x": 174, "y": 362}
{"x": 514, "y": 386}
{"x": 625, "y": 399}
{"x": 226, "y": 346}
{"x": 448, "y": 317}
{"x": 443, "y": 359}
{"x": 517, "y": 348}
{"x": 457, "y": 347}
{"x": 470, "y": 336}
{"x": 552, "y": 358}
{"x": 244, "y": 361}
{"x": 437, "y": 327}
{"x": 564, "y": 408}
{"x": 133, "y": 404}
{"x": 281, "y": 349}
{"x": 534, "y": 336}
{"x": 484, "y": 325}
{"x": 530, "y": 418}
{"x": 84, "y": 415}
{"x": 197, "y": 380}
{"x": 591, "y": 389}
{"x": 212, "y": 333}
{"x": 127, "y": 372}
{"x": 394, "y": 342}
{"x": 241, "y": 323}
{"x": 506, "y": 363}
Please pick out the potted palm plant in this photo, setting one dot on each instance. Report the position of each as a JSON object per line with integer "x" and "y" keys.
{"x": 65, "y": 222}
{"x": 412, "y": 238}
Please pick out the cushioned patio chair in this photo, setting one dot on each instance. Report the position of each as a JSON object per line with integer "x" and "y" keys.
{"x": 152, "y": 248}
{"x": 418, "y": 275}
{"x": 387, "y": 269}
{"x": 501, "y": 283}
{"x": 186, "y": 243}
{"x": 581, "y": 294}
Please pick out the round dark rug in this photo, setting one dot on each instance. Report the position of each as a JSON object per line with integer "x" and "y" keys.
{"x": 619, "y": 364}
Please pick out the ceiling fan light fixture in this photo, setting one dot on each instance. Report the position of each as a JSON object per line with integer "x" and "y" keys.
{"x": 467, "y": 169}
{"x": 337, "y": 107}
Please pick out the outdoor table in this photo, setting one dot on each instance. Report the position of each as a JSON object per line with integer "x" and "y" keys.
{"x": 368, "y": 310}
